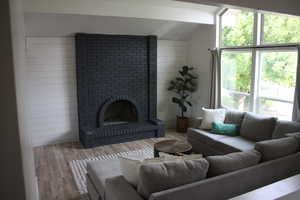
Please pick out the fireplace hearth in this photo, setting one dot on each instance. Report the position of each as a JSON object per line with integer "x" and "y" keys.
{"x": 116, "y": 88}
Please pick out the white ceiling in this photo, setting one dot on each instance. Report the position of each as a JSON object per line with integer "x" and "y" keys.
{"x": 55, "y": 25}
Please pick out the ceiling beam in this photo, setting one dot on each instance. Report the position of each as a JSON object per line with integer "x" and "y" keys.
{"x": 291, "y": 7}
{"x": 171, "y": 11}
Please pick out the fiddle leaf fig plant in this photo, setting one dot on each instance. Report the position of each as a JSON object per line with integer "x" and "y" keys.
{"x": 183, "y": 86}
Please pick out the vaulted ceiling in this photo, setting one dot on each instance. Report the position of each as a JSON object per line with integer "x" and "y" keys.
{"x": 168, "y": 19}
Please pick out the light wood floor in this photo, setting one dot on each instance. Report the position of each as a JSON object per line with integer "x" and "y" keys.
{"x": 55, "y": 179}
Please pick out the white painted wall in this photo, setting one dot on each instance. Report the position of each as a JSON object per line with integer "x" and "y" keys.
{"x": 52, "y": 90}
{"x": 19, "y": 53}
{"x": 291, "y": 7}
{"x": 199, "y": 57}
{"x": 154, "y": 9}
{"x": 15, "y": 139}
{"x": 52, "y": 86}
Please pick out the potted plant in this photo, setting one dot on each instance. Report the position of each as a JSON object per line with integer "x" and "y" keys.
{"x": 183, "y": 86}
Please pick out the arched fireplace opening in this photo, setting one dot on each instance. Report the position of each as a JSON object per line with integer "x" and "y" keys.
{"x": 120, "y": 112}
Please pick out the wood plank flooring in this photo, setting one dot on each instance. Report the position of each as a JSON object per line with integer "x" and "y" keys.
{"x": 55, "y": 180}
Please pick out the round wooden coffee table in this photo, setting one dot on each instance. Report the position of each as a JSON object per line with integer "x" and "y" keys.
{"x": 173, "y": 147}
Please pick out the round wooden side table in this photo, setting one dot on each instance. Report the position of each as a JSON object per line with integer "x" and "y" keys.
{"x": 174, "y": 147}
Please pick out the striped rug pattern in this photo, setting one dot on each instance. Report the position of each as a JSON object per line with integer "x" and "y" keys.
{"x": 78, "y": 167}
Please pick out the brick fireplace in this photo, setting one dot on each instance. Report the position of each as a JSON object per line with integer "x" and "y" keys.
{"x": 116, "y": 88}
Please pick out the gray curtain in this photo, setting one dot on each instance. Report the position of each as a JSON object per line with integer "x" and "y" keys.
{"x": 214, "y": 101}
{"x": 296, "y": 108}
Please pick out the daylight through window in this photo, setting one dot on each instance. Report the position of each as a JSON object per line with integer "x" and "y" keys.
{"x": 256, "y": 75}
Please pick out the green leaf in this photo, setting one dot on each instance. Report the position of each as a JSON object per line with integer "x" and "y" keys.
{"x": 179, "y": 79}
{"x": 176, "y": 100}
{"x": 192, "y": 76}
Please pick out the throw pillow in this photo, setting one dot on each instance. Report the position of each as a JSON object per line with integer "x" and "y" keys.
{"x": 224, "y": 129}
{"x": 130, "y": 167}
{"x": 156, "y": 177}
{"x": 210, "y": 116}
{"x": 283, "y": 127}
{"x": 257, "y": 128}
{"x": 231, "y": 162}
{"x": 277, "y": 148}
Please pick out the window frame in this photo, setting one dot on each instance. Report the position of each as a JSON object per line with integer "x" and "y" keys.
{"x": 256, "y": 49}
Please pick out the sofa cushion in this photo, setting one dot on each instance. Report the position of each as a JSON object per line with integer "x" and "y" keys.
{"x": 283, "y": 127}
{"x": 205, "y": 136}
{"x": 201, "y": 139}
{"x": 99, "y": 171}
{"x": 239, "y": 143}
{"x": 257, "y": 128}
{"x": 234, "y": 117}
{"x": 210, "y": 116}
{"x": 156, "y": 177}
{"x": 130, "y": 165}
{"x": 277, "y": 148}
{"x": 295, "y": 135}
{"x": 231, "y": 162}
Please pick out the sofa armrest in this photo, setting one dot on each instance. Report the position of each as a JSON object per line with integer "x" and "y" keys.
{"x": 117, "y": 188}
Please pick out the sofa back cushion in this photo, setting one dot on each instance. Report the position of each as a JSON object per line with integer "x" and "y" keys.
{"x": 234, "y": 117}
{"x": 283, "y": 127}
{"x": 257, "y": 128}
{"x": 294, "y": 135}
{"x": 231, "y": 162}
{"x": 156, "y": 177}
{"x": 232, "y": 184}
{"x": 277, "y": 148}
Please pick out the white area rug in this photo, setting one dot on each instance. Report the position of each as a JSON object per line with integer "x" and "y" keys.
{"x": 78, "y": 167}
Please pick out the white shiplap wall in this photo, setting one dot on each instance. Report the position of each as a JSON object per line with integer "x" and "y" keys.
{"x": 52, "y": 86}
{"x": 171, "y": 56}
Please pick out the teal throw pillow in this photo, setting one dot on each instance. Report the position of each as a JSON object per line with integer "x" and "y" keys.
{"x": 225, "y": 129}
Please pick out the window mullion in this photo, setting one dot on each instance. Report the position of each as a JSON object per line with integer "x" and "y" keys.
{"x": 256, "y": 62}
{"x": 256, "y": 80}
{"x": 258, "y": 30}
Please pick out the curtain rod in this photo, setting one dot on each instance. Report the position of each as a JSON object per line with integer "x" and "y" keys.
{"x": 258, "y": 47}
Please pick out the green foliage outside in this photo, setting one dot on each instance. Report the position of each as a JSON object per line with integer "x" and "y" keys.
{"x": 281, "y": 29}
{"x": 242, "y": 33}
{"x": 278, "y": 67}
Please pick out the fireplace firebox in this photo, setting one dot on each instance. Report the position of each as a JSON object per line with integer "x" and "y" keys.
{"x": 120, "y": 112}
{"x": 116, "y": 88}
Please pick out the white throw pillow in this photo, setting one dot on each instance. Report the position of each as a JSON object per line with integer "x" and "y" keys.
{"x": 212, "y": 115}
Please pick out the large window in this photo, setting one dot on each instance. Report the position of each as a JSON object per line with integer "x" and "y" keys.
{"x": 259, "y": 62}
